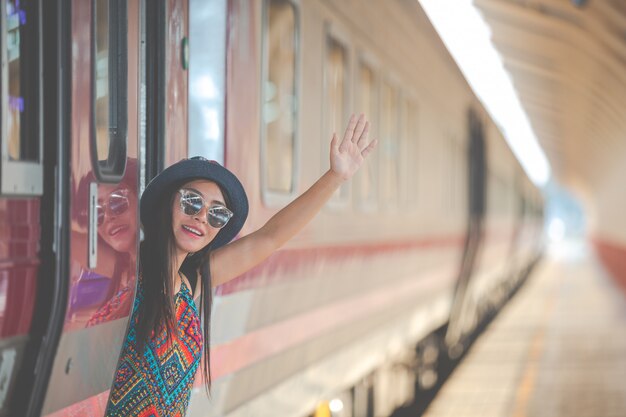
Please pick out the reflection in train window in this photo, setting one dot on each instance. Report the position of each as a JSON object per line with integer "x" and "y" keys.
{"x": 336, "y": 69}
{"x": 365, "y": 181}
{"x": 389, "y": 145}
{"x": 109, "y": 60}
{"x": 22, "y": 120}
{"x": 280, "y": 95}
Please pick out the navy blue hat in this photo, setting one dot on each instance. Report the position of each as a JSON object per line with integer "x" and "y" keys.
{"x": 193, "y": 169}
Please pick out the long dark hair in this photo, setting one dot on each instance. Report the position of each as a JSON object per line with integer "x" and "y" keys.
{"x": 155, "y": 255}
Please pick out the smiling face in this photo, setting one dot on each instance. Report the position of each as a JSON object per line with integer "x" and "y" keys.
{"x": 192, "y": 232}
{"x": 117, "y": 223}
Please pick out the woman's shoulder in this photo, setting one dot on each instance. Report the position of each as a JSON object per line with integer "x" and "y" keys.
{"x": 194, "y": 283}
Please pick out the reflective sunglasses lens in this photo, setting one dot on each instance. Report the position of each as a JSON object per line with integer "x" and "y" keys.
{"x": 219, "y": 216}
{"x": 191, "y": 204}
{"x": 118, "y": 204}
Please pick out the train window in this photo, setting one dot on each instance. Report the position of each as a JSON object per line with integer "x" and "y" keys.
{"x": 389, "y": 145}
{"x": 21, "y": 98}
{"x": 409, "y": 154}
{"x": 443, "y": 181}
{"x": 109, "y": 91}
{"x": 279, "y": 96}
{"x": 336, "y": 94}
{"x": 454, "y": 173}
{"x": 207, "y": 84}
{"x": 365, "y": 182}
{"x": 459, "y": 174}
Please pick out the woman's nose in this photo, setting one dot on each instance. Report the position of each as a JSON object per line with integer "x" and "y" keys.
{"x": 201, "y": 216}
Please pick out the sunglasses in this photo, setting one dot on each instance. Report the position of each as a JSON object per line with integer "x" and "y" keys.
{"x": 191, "y": 203}
{"x": 116, "y": 205}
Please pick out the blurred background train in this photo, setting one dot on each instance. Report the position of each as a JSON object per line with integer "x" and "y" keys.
{"x": 355, "y": 313}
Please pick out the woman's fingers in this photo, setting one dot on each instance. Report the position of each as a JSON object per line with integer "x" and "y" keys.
{"x": 358, "y": 130}
{"x": 369, "y": 148}
{"x": 362, "y": 140}
{"x": 333, "y": 143}
{"x": 347, "y": 136}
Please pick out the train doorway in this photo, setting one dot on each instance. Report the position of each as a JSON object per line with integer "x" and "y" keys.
{"x": 44, "y": 65}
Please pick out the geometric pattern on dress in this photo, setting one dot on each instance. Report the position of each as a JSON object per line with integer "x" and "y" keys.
{"x": 158, "y": 382}
{"x": 117, "y": 307}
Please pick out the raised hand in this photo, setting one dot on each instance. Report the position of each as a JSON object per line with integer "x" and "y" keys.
{"x": 346, "y": 157}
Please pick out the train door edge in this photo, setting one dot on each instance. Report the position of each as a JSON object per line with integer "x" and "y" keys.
{"x": 477, "y": 170}
{"x": 51, "y": 294}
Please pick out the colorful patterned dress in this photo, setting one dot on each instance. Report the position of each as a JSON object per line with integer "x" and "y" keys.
{"x": 158, "y": 382}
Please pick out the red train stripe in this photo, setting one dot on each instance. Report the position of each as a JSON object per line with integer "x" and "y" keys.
{"x": 613, "y": 257}
{"x": 261, "y": 344}
{"x": 258, "y": 345}
{"x": 288, "y": 260}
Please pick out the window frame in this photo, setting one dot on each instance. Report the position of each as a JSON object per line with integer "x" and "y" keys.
{"x": 113, "y": 171}
{"x": 271, "y": 197}
{"x": 23, "y": 178}
{"x": 342, "y": 200}
{"x": 365, "y": 59}
{"x": 409, "y": 196}
{"x": 395, "y": 202}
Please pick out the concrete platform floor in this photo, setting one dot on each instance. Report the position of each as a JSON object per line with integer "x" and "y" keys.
{"x": 558, "y": 349}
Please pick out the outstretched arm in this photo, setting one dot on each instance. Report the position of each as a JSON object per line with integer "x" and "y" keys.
{"x": 345, "y": 159}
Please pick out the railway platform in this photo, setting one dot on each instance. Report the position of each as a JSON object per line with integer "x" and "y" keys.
{"x": 557, "y": 349}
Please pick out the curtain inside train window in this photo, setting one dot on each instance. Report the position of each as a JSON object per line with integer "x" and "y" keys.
{"x": 279, "y": 112}
{"x": 109, "y": 89}
{"x": 408, "y": 151}
{"x": 367, "y": 95}
{"x": 336, "y": 96}
{"x": 389, "y": 146}
{"x": 336, "y": 68}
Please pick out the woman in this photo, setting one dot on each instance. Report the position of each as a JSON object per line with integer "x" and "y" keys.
{"x": 117, "y": 229}
{"x": 189, "y": 213}
{"x": 105, "y": 293}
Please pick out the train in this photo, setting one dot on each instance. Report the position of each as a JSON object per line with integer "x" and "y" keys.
{"x": 98, "y": 96}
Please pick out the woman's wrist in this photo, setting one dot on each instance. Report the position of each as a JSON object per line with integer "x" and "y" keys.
{"x": 335, "y": 177}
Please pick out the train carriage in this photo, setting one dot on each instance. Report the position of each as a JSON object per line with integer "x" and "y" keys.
{"x": 438, "y": 228}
